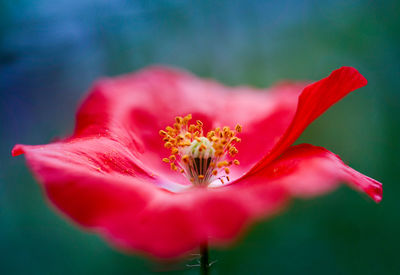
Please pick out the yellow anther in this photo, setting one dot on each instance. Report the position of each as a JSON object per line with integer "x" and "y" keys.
{"x": 182, "y": 171}
{"x": 222, "y": 164}
{"x": 199, "y": 123}
{"x": 187, "y": 118}
{"x": 177, "y": 126}
{"x": 236, "y": 139}
{"x": 166, "y": 160}
{"x": 174, "y": 150}
{"x": 192, "y": 128}
{"x": 218, "y": 146}
{"x": 214, "y": 172}
{"x": 187, "y": 143}
{"x": 185, "y": 158}
{"x": 179, "y": 119}
{"x": 233, "y": 151}
{"x": 200, "y": 177}
{"x": 162, "y": 133}
{"x": 172, "y": 157}
{"x": 168, "y": 145}
{"x": 238, "y": 128}
{"x": 197, "y": 138}
{"x": 188, "y": 135}
{"x": 236, "y": 162}
{"x": 173, "y": 166}
{"x": 215, "y": 139}
{"x": 227, "y": 170}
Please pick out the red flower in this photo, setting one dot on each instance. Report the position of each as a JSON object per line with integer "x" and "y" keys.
{"x": 109, "y": 175}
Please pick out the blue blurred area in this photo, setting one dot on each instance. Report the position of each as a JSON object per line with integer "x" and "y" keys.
{"x": 51, "y": 52}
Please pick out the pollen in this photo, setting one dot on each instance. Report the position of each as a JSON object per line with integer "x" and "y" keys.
{"x": 172, "y": 157}
{"x": 200, "y": 157}
{"x": 166, "y": 160}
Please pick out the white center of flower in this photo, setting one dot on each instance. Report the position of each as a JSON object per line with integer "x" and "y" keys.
{"x": 200, "y": 148}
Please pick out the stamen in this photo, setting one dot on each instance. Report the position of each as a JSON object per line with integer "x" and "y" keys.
{"x": 168, "y": 144}
{"x": 238, "y": 128}
{"x": 200, "y": 157}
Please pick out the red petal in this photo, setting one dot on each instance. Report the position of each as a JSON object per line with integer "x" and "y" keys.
{"x": 313, "y": 101}
{"x": 135, "y": 215}
{"x": 307, "y": 170}
{"x": 100, "y": 155}
{"x": 263, "y": 129}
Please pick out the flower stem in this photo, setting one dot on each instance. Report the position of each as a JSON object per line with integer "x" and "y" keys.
{"x": 204, "y": 265}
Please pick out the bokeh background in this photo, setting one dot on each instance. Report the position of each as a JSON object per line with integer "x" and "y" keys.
{"x": 51, "y": 52}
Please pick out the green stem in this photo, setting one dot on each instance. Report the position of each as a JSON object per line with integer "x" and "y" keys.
{"x": 204, "y": 265}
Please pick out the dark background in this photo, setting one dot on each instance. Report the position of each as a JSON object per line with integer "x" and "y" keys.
{"x": 51, "y": 52}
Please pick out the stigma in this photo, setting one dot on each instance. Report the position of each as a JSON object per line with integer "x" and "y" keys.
{"x": 201, "y": 158}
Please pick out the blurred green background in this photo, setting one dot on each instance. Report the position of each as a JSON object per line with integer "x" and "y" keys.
{"x": 51, "y": 52}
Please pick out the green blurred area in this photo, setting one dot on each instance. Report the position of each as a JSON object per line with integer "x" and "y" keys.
{"x": 51, "y": 52}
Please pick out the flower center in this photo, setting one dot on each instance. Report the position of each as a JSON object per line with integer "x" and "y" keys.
{"x": 200, "y": 158}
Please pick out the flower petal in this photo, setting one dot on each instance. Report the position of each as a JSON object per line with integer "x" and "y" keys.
{"x": 135, "y": 215}
{"x": 116, "y": 207}
{"x": 306, "y": 170}
{"x": 314, "y": 100}
{"x": 100, "y": 155}
{"x": 262, "y": 130}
